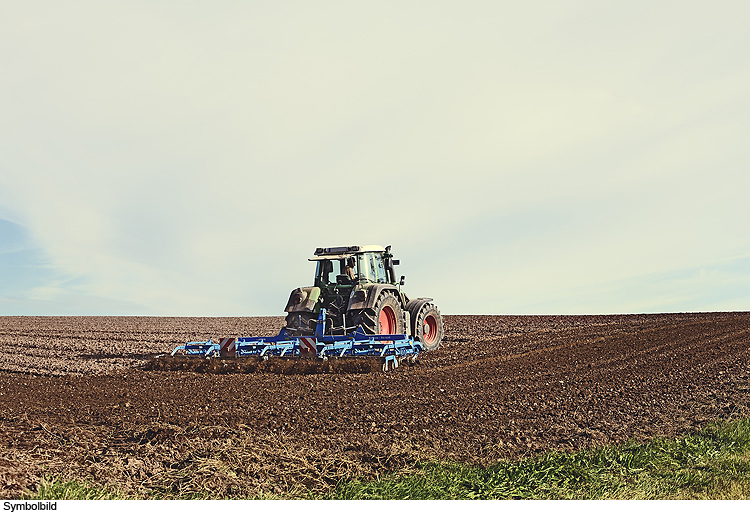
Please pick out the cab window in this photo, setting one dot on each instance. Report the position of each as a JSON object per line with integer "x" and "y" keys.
{"x": 380, "y": 268}
{"x": 323, "y": 273}
{"x": 365, "y": 267}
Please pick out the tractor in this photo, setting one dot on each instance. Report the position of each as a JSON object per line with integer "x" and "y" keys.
{"x": 356, "y": 286}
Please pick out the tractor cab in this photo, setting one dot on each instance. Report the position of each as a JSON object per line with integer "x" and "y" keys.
{"x": 351, "y": 265}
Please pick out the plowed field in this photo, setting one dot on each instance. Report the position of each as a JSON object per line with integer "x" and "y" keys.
{"x": 75, "y": 400}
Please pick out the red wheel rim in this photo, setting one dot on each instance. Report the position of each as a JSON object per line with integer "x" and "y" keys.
{"x": 387, "y": 320}
{"x": 430, "y": 329}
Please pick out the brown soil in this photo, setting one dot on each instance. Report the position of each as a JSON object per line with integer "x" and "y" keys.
{"x": 77, "y": 402}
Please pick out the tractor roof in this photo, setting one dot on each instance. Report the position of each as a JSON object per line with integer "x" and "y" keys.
{"x": 340, "y": 252}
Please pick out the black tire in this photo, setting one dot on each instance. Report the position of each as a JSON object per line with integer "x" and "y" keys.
{"x": 301, "y": 323}
{"x": 427, "y": 326}
{"x": 387, "y": 308}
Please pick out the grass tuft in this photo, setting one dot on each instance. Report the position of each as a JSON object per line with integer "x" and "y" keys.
{"x": 54, "y": 489}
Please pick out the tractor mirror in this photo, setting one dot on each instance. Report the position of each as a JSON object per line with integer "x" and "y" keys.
{"x": 402, "y": 280}
{"x": 395, "y": 262}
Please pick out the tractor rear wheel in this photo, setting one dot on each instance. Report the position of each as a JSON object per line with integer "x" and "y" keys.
{"x": 428, "y": 327}
{"x": 385, "y": 318}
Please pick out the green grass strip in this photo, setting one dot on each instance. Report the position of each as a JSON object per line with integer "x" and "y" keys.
{"x": 712, "y": 464}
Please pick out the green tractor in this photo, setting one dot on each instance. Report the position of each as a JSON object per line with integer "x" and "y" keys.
{"x": 357, "y": 287}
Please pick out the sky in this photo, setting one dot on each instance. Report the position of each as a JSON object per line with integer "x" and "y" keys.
{"x": 185, "y": 158}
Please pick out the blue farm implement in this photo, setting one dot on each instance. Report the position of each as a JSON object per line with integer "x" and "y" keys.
{"x": 391, "y": 349}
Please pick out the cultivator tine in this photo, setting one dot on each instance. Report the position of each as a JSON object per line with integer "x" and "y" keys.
{"x": 390, "y": 360}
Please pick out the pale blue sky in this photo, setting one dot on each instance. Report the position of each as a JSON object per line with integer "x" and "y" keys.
{"x": 185, "y": 158}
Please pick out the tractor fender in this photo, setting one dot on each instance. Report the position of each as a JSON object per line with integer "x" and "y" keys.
{"x": 303, "y": 299}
